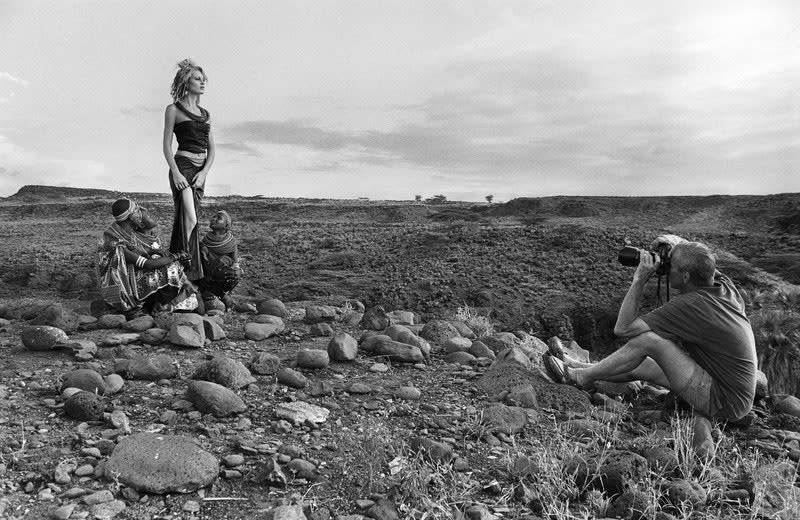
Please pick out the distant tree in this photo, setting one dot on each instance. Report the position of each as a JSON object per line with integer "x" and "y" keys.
{"x": 417, "y": 198}
{"x": 436, "y": 199}
{"x": 489, "y": 198}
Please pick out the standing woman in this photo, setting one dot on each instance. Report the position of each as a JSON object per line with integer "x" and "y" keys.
{"x": 189, "y": 166}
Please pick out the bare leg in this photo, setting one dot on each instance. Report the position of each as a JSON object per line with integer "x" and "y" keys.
{"x": 674, "y": 366}
{"x": 189, "y": 216}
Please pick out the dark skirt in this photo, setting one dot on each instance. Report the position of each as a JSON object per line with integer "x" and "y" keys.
{"x": 179, "y": 240}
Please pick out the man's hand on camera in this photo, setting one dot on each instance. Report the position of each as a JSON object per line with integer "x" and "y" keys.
{"x": 671, "y": 240}
{"x": 647, "y": 266}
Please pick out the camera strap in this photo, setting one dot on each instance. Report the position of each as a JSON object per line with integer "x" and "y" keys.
{"x": 658, "y": 289}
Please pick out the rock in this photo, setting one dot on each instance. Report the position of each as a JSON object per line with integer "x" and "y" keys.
{"x": 463, "y": 329}
{"x": 762, "y": 385}
{"x": 291, "y": 378}
{"x": 788, "y": 404}
{"x": 614, "y": 472}
{"x": 312, "y": 358}
{"x": 513, "y": 355}
{"x": 409, "y": 393}
{"x": 213, "y": 330}
{"x": 120, "y": 421}
{"x": 98, "y": 497}
{"x": 318, "y": 313}
{"x": 114, "y": 383}
{"x": 479, "y": 349}
{"x": 62, "y": 513}
{"x": 108, "y": 510}
{"x": 436, "y": 451}
{"x": 505, "y": 419}
{"x": 321, "y": 330}
{"x": 123, "y": 338}
{"x": 154, "y": 368}
{"x": 631, "y": 504}
{"x": 264, "y": 363}
{"x": 342, "y": 347}
{"x": 681, "y": 492}
{"x": 85, "y": 379}
{"x": 43, "y": 337}
{"x": 401, "y": 317}
{"x": 501, "y": 341}
{"x": 627, "y": 391}
{"x": 244, "y": 308}
{"x": 302, "y": 469}
{"x": 383, "y": 509}
{"x": 586, "y": 428}
{"x": 55, "y": 315}
{"x": 460, "y": 358}
{"x": 154, "y": 336}
{"x": 273, "y": 307}
{"x": 359, "y": 388}
{"x": 187, "y": 330}
{"x": 111, "y": 321}
{"x": 84, "y": 406}
{"x": 478, "y": 512}
{"x": 320, "y": 388}
{"x": 262, "y": 331}
{"x": 375, "y": 318}
{"x": 233, "y": 460}
{"x": 661, "y": 459}
{"x": 405, "y": 335}
{"x": 140, "y": 324}
{"x": 294, "y": 512}
{"x": 457, "y": 344}
{"x": 82, "y": 348}
{"x": 159, "y": 464}
{"x": 438, "y": 331}
{"x": 379, "y": 367}
{"x": 384, "y": 346}
{"x": 63, "y": 472}
{"x": 224, "y": 371}
{"x": 269, "y": 472}
{"x": 212, "y": 398}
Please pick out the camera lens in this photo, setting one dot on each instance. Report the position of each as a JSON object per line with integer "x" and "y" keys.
{"x": 628, "y": 256}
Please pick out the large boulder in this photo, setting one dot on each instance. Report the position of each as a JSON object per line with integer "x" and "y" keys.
{"x": 85, "y": 379}
{"x": 84, "y": 406}
{"x": 224, "y": 371}
{"x": 402, "y": 317}
{"x": 140, "y": 324}
{"x": 55, "y": 315}
{"x": 381, "y": 345}
{"x": 375, "y": 318}
{"x": 187, "y": 330}
{"x": 147, "y": 368}
{"x": 438, "y": 331}
{"x": 342, "y": 347}
{"x": 215, "y": 399}
{"x": 405, "y": 335}
{"x": 213, "y": 329}
{"x": 264, "y": 363}
{"x": 505, "y": 419}
{"x": 43, "y": 337}
{"x": 261, "y": 331}
{"x": 319, "y": 313}
{"x": 312, "y": 358}
{"x": 501, "y": 341}
{"x": 153, "y": 463}
{"x": 273, "y": 307}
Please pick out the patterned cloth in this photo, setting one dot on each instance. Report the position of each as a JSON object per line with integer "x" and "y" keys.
{"x": 122, "y": 284}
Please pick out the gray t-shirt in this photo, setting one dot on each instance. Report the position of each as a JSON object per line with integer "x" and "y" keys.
{"x": 711, "y": 325}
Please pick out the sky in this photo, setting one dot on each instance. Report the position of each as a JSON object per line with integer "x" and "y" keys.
{"x": 390, "y": 99}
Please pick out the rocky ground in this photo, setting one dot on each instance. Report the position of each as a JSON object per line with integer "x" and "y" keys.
{"x": 417, "y": 409}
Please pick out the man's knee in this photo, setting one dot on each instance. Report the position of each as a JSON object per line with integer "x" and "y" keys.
{"x": 649, "y": 342}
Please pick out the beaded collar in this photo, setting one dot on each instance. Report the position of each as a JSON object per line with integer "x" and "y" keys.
{"x": 194, "y": 117}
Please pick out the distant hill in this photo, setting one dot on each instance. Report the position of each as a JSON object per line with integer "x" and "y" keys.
{"x": 37, "y": 193}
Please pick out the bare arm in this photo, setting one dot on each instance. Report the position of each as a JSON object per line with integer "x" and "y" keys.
{"x": 169, "y": 123}
{"x": 628, "y": 321}
{"x": 149, "y": 263}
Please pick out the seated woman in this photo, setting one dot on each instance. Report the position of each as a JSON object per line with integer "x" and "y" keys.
{"x": 134, "y": 271}
{"x": 220, "y": 257}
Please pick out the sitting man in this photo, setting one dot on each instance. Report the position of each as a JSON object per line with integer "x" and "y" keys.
{"x": 220, "y": 257}
{"x": 699, "y": 345}
{"x": 134, "y": 271}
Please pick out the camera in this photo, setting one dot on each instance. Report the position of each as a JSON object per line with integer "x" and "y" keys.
{"x": 629, "y": 256}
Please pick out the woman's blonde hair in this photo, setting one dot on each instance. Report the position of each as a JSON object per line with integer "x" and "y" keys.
{"x": 185, "y": 70}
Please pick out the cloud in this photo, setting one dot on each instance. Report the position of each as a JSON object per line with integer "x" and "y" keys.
{"x": 240, "y": 147}
{"x": 22, "y": 167}
{"x": 13, "y": 79}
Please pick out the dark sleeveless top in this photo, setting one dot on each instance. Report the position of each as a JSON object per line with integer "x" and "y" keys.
{"x": 192, "y": 134}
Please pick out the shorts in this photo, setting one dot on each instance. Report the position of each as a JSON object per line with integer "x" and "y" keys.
{"x": 697, "y": 392}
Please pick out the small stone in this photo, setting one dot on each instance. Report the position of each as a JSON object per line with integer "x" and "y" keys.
{"x": 409, "y": 393}
{"x": 114, "y": 383}
{"x": 379, "y": 368}
{"x": 291, "y": 378}
{"x": 191, "y": 506}
{"x": 98, "y": 497}
{"x": 63, "y": 512}
{"x": 63, "y": 472}
{"x": 343, "y": 347}
{"x": 263, "y": 363}
{"x": 84, "y": 406}
{"x": 233, "y": 460}
{"x": 108, "y": 510}
{"x": 84, "y": 471}
{"x": 300, "y": 412}
{"x": 312, "y": 358}
{"x": 43, "y": 337}
{"x": 111, "y": 321}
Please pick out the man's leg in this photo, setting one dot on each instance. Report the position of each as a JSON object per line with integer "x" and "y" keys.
{"x": 647, "y": 357}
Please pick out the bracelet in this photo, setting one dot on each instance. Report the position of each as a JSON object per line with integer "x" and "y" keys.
{"x": 140, "y": 262}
